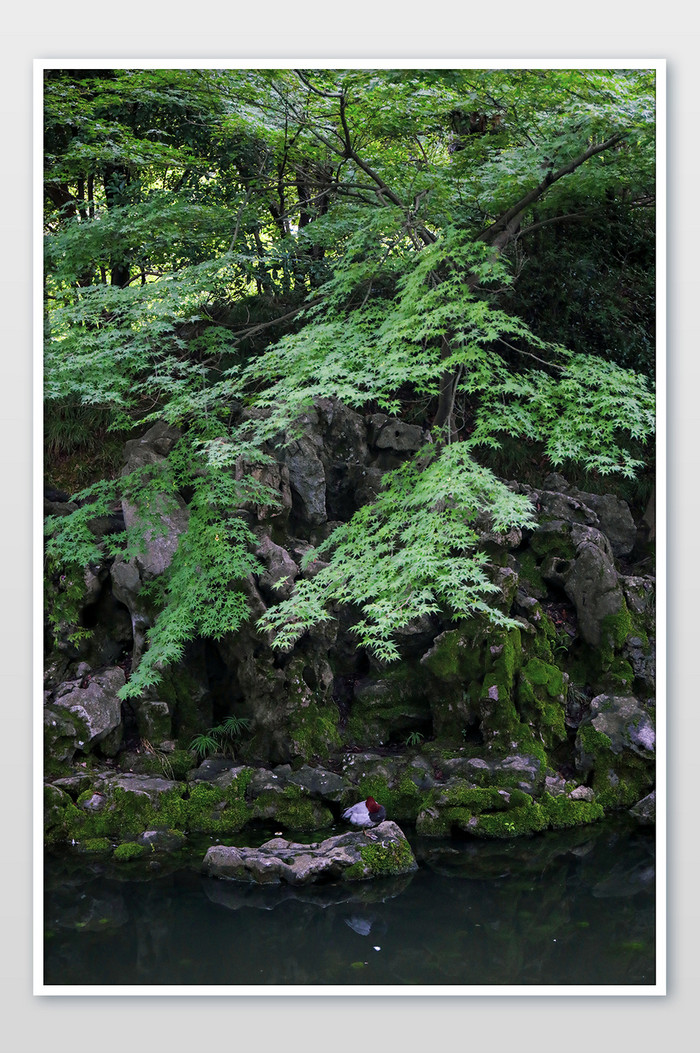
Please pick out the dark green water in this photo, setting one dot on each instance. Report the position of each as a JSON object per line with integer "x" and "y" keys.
{"x": 570, "y": 908}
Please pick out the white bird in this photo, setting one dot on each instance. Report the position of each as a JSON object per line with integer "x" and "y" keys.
{"x": 365, "y": 813}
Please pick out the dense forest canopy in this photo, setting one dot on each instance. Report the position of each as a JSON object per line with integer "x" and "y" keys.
{"x": 470, "y": 250}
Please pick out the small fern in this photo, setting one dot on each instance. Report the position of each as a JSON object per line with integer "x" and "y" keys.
{"x": 220, "y": 739}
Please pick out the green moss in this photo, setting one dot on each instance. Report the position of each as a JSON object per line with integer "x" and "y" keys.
{"x": 622, "y": 785}
{"x": 394, "y": 706}
{"x": 504, "y": 658}
{"x": 236, "y": 789}
{"x": 183, "y": 693}
{"x": 129, "y": 850}
{"x": 620, "y": 674}
{"x": 476, "y": 799}
{"x": 180, "y": 763}
{"x": 128, "y": 813}
{"x": 615, "y": 628}
{"x": 529, "y": 571}
{"x": 594, "y": 742}
{"x": 61, "y": 817}
{"x": 618, "y": 780}
{"x": 431, "y": 822}
{"x": 555, "y": 541}
{"x": 562, "y": 812}
{"x": 206, "y": 809}
{"x": 55, "y": 769}
{"x": 544, "y": 675}
{"x": 456, "y": 655}
{"x": 488, "y": 814}
{"x": 384, "y": 859}
{"x": 292, "y": 809}
{"x": 313, "y": 732}
{"x": 527, "y": 818}
{"x": 210, "y": 809}
{"x": 402, "y": 803}
{"x": 97, "y": 845}
{"x": 541, "y": 699}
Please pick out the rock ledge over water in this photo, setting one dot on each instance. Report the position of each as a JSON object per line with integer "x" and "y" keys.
{"x": 352, "y": 856}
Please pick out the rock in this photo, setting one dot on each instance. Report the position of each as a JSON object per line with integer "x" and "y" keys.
{"x": 212, "y": 768}
{"x": 56, "y": 805}
{"x": 555, "y": 785}
{"x": 345, "y": 456}
{"x": 62, "y": 732}
{"x": 520, "y": 770}
{"x": 468, "y": 687}
{"x": 644, "y": 811}
{"x": 608, "y": 513}
{"x": 368, "y": 484}
{"x": 582, "y": 793}
{"x": 507, "y": 581}
{"x": 277, "y": 582}
{"x": 161, "y": 840}
{"x": 93, "y": 804}
{"x": 161, "y": 540}
{"x": 172, "y": 514}
{"x": 649, "y": 517}
{"x": 151, "y": 787}
{"x": 626, "y": 722}
{"x": 276, "y": 478}
{"x": 643, "y": 663}
{"x": 615, "y": 520}
{"x": 307, "y": 477}
{"x": 640, "y": 594}
{"x": 98, "y": 709}
{"x": 592, "y": 586}
{"x": 152, "y": 720}
{"x": 352, "y": 856}
{"x": 508, "y": 539}
{"x": 556, "y": 483}
{"x": 388, "y": 433}
{"x": 264, "y": 782}
{"x": 563, "y": 507}
{"x": 318, "y": 782}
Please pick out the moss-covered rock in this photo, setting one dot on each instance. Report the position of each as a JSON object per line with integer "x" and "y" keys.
{"x": 390, "y": 707}
{"x": 384, "y": 859}
{"x": 63, "y": 730}
{"x": 520, "y": 821}
{"x": 455, "y": 656}
{"x": 561, "y": 811}
{"x": 402, "y": 784}
{"x": 313, "y": 732}
{"x": 347, "y": 857}
{"x": 542, "y": 700}
{"x": 60, "y": 815}
{"x": 292, "y": 809}
{"x": 128, "y": 851}
{"x": 127, "y": 806}
{"x": 100, "y": 846}
{"x": 615, "y": 750}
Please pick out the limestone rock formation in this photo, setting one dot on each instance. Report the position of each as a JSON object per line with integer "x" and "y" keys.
{"x": 348, "y": 857}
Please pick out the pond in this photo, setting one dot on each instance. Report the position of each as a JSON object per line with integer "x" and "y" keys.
{"x": 564, "y": 908}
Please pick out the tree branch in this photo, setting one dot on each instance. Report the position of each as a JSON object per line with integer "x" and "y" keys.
{"x": 505, "y": 220}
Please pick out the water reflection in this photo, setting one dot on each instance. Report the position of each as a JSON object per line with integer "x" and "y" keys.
{"x": 565, "y": 908}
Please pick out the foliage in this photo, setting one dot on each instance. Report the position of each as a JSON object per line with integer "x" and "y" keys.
{"x": 468, "y": 248}
{"x": 221, "y": 738}
{"x": 410, "y": 553}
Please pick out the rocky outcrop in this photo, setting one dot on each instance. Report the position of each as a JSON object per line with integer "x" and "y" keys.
{"x": 96, "y": 710}
{"x": 348, "y": 857}
{"x": 558, "y": 706}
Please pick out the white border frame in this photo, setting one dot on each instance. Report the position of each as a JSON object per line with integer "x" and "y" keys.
{"x": 659, "y": 987}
